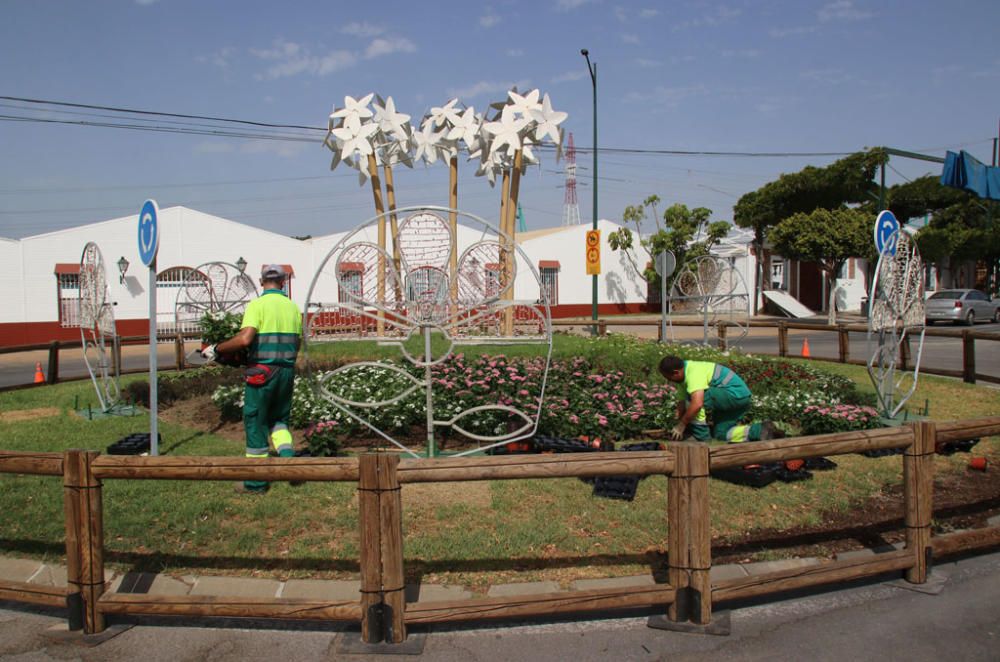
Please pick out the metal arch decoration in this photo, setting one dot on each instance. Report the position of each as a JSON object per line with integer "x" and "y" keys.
{"x": 212, "y": 287}
{"x": 896, "y": 313}
{"x": 719, "y": 293}
{"x": 97, "y": 328}
{"x": 427, "y": 312}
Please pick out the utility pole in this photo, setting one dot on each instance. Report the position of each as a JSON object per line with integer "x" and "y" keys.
{"x": 592, "y": 68}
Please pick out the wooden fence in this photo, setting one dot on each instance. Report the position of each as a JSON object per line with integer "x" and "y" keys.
{"x": 967, "y": 336}
{"x": 53, "y": 348}
{"x": 688, "y": 596}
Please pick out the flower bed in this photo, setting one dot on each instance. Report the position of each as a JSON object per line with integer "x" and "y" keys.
{"x": 583, "y": 396}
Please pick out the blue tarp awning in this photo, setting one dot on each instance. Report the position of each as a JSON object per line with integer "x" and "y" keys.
{"x": 964, "y": 171}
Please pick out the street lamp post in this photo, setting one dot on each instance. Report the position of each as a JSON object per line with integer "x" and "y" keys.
{"x": 592, "y": 68}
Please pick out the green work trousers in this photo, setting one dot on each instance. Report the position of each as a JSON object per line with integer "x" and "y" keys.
{"x": 265, "y": 417}
{"x": 727, "y": 406}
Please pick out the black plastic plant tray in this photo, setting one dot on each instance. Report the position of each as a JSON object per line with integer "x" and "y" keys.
{"x": 818, "y": 464}
{"x": 616, "y": 487}
{"x": 134, "y": 444}
{"x": 755, "y": 476}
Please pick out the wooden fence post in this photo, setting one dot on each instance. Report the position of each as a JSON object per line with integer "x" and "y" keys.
{"x": 382, "y": 589}
{"x": 968, "y": 357}
{"x": 53, "y": 374}
{"x": 844, "y": 343}
{"x": 84, "y": 540}
{"x": 722, "y": 336}
{"x": 602, "y": 328}
{"x": 689, "y": 541}
{"x": 918, "y": 494}
{"x": 782, "y": 339}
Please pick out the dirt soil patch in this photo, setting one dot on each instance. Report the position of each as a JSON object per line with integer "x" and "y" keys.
{"x": 28, "y": 414}
{"x": 960, "y": 502}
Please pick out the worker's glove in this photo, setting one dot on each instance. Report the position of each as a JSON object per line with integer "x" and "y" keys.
{"x": 677, "y": 432}
{"x": 209, "y": 353}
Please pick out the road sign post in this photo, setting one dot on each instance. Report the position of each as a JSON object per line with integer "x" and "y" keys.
{"x": 665, "y": 262}
{"x": 149, "y": 244}
{"x": 886, "y": 229}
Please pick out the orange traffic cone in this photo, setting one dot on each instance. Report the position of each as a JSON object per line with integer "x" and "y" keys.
{"x": 805, "y": 348}
{"x": 39, "y": 375}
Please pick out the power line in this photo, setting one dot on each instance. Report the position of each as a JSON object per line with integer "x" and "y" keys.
{"x": 297, "y": 138}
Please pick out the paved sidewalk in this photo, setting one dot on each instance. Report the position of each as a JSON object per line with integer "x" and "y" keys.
{"x": 867, "y": 622}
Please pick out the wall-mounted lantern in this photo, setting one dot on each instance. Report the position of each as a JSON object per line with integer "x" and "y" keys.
{"x": 241, "y": 264}
{"x": 122, "y": 268}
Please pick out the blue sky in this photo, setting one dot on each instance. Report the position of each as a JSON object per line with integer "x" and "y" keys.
{"x": 736, "y": 76}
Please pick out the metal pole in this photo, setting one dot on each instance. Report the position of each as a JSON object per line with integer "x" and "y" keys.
{"x": 153, "y": 432}
{"x": 429, "y": 400}
{"x": 663, "y": 301}
{"x": 592, "y": 68}
{"x": 593, "y": 75}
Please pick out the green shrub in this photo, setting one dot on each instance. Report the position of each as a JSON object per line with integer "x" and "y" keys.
{"x": 216, "y": 327}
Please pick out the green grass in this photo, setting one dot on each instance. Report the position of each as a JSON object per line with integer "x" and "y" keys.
{"x": 471, "y": 533}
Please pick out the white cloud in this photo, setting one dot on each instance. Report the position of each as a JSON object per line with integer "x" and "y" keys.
{"x": 842, "y": 10}
{"x": 291, "y": 59}
{"x": 744, "y": 54}
{"x": 668, "y": 97}
{"x": 276, "y": 147}
{"x": 569, "y": 76}
{"x": 487, "y": 87}
{"x": 489, "y": 19}
{"x": 570, "y": 5}
{"x": 362, "y": 29}
{"x": 220, "y": 58}
{"x": 830, "y": 76}
{"x": 621, "y": 14}
{"x": 643, "y": 62}
{"x": 388, "y": 45}
{"x": 778, "y": 33}
{"x": 145, "y": 3}
{"x": 630, "y": 38}
{"x": 721, "y": 14}
{"x": 515, "y": 52}
{"x": 648, "y": 13}
{"x": 288, "y": 58}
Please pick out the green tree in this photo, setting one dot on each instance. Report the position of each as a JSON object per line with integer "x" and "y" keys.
{"x": 828, "y": 237}
{"x": 843, "y": 182}
{"x": 961, "y": 227}
{"x": 676, "y": 231}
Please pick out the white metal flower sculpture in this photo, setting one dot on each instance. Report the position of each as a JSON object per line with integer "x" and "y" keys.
{"x": 429, "y": 310}
{"x": 896, "y": 314}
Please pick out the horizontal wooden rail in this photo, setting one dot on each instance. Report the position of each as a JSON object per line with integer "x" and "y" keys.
{"x": 36, "y": 594}
{"x": 226, "y": 468}
{"x": 837, "y": 443}
{"x": 29, "y": 462}
{"x": 542, "y": 604}
{"x": 811, "y": 575}
{"x": 639, "y": 463}
{"x": 974, "y": 428}
{"x": 225, "y": 606}
{"x": 966, "y": 541}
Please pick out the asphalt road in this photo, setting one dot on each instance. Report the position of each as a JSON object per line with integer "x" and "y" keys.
{"x": 940, "y": 353}
{"x": 871, "y": 621}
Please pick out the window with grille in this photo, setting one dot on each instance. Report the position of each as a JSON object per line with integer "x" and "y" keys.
{"x": 350, "y": 285}
{"x": 550, "y": 285}
{"x": 69, "y": 299}
{"x": 491, "y": 284}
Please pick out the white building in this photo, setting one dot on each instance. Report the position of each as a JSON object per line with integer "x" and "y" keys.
{"x": 40, "y": 305}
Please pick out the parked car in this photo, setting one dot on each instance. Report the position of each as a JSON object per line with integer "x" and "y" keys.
{"x": 961, "y": 306}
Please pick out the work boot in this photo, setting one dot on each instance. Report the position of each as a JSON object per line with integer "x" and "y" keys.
{"x": 768, "y": 431}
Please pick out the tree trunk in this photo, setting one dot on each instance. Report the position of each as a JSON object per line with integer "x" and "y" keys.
{"x": 832, "y": 306}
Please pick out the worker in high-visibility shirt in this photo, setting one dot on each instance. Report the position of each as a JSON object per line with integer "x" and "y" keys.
{"x": 272, "y": 333}
{"x": 704, "y": 385}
